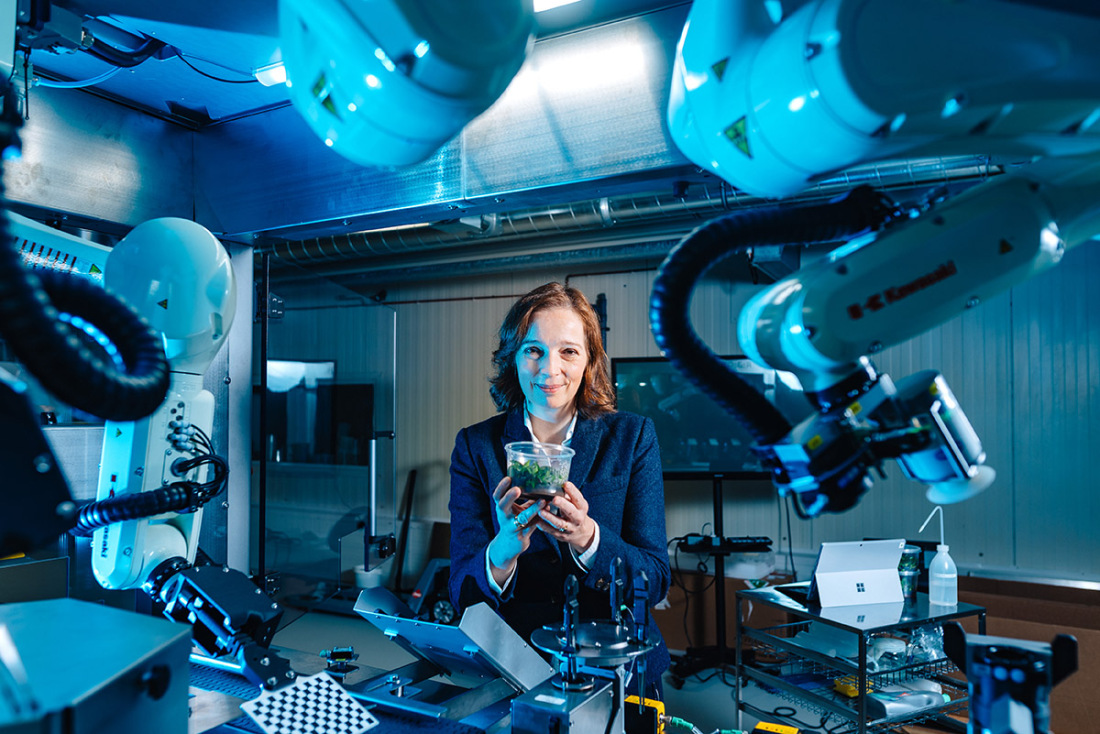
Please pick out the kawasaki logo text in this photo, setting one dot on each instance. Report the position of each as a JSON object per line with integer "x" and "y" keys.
{"x": 894, "y": 294}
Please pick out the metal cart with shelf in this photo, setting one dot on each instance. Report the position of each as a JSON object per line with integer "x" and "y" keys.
{"x": 809, "y": 676}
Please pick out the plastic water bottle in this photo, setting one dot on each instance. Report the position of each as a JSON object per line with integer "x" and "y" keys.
{"x": 943, "y": 578}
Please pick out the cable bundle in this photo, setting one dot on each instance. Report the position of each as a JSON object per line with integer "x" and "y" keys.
{"x": 184, "y": 496}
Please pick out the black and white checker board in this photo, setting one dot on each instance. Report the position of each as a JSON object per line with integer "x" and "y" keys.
{"x": 314, "y": 703}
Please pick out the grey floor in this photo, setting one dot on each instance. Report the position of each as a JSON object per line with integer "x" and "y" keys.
{"x": 708, "y": 704}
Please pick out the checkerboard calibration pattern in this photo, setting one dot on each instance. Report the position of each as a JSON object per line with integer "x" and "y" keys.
{"x": 314, "y": 703}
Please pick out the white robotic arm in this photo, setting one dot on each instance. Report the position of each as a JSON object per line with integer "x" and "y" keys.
{"x": 388, "y": 82}
{"x": 772, "y": 104}
{"x": 180, "y": 278}
{"x": 157, "y": 472}
{"x": 823, "y": 321}
{"x": 864, "y": 297}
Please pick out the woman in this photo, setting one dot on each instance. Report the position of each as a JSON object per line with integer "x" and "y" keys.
{"x": 552, "y": 385}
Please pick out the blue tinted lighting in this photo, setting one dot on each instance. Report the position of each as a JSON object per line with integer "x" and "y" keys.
{"x": 96, "y": 335}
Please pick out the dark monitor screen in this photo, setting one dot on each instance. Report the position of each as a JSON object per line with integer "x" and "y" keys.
{"x": 697, "y": 437}
{"x": 311, "y": 418}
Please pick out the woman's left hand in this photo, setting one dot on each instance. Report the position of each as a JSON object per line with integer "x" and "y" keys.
{"x": 572, "y": 524}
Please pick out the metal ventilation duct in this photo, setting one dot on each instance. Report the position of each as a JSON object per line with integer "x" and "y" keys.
{"x": 590, "y": 226}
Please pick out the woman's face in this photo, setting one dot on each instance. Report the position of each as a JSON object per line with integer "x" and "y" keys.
{"x": 551, "y": 361}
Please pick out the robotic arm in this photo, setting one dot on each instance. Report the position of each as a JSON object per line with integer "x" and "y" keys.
{"x": 177, "y": 275}
{"x": 823, "y": 321}
{"x": 771, "y": 104}
{"x": 387, "y": 83}
{"x": 158, "y": 472}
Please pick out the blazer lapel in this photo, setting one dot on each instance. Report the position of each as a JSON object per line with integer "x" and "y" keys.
{"x": 586, "y": 442}
{"x": 514, "y": 430}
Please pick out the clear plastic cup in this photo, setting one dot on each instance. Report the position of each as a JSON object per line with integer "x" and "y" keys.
{"x": 540, "y": 470}
{"x": 910, "y": 558}
{"x": 909, "y": 584}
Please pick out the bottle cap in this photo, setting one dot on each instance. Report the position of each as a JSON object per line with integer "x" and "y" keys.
{"x": 942, "y": 547}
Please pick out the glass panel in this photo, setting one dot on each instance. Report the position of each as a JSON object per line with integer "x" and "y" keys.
{"x": 327, "y": 449}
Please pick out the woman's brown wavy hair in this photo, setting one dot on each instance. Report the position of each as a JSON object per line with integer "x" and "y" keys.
{"x": 596, "y": 395}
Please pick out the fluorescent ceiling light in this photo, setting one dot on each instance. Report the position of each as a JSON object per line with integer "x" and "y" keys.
{"x": 541, "y": 5}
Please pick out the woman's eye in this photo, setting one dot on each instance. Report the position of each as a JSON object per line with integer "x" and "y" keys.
{"x": 532, "y": 351}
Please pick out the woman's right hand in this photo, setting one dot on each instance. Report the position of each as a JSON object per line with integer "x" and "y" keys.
{"x": 516, "y": 521}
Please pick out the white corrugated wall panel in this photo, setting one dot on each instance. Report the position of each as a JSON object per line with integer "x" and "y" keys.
{"x": 1057, "y": 392}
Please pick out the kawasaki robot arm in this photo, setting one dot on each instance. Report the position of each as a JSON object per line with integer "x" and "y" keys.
{"x": 157, "y": 473}
{"x": 179, "y": 277}
{"x": 773, "y": 103}
{"x": 389, "y": 82}
{"x": 176, "y": 282}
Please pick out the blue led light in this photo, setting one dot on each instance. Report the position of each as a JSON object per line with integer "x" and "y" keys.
{"x": 95, "y": 335}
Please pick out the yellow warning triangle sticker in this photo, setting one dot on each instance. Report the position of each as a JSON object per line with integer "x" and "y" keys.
{"x": 1006, "y": 247}
{"x": 738, "y": 134}
{"x": 94, "y": 270}
{"x": 719, "y": 68}
{"x": 163, "y": 304}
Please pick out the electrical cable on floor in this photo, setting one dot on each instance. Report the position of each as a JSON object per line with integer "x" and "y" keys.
{"x": 701, "y": 566}
{"x": 678, "y": 580}
{"x": 677, "y": 722}
{"x": 790, "y": 714}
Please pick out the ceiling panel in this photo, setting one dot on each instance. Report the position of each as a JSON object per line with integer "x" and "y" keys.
{"x": 228, "y": 41}
{"x": 207, "y": 70}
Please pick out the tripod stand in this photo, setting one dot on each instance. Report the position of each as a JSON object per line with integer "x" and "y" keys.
{"x": 719, "y": 547}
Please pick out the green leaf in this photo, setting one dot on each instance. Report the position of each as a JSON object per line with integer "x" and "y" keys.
{"x": 531, "y": 476}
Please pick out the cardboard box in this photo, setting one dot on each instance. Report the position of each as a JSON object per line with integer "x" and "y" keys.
{"x": 1037, "y": 612}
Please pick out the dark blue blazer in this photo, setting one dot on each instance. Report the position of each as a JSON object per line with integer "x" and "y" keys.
{"x": 617, "y": 468}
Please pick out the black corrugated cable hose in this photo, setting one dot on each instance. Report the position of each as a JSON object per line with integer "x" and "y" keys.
{"x": 859, "y": 211}
{"x": 183, "y": 496}
{"x": 176, "y": 497}
{"x": 51, "y": 350}
{"x": 124, "y": 57}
